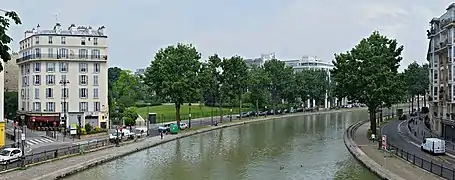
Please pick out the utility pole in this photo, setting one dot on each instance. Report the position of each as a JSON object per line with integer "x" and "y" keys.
{"x": 64, "y": 123}
{"x": 22, "y": 116}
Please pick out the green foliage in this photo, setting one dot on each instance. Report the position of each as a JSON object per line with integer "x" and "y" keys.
{"x": 369, "y": 73}
{"x": 11, "y": 100}
{"x": 234, "y": 77}
{"x": 4, "y": 38}
{"x": 315, "y": 84}
{"x": 277, "y": 71}
{"x": 88, "y": 127}
{"x": 126, "y": 89}
{"x": 257, "y": 87}
{"x": 130, "y": 115}
{"x": 174, "y": 74}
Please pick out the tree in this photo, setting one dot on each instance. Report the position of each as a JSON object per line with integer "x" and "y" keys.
{"x": 368, "y": 73}
{"x": 112, "y": 76}
{"x": 4, "y": 38}
{"x": 412, "y": 81}
{"x": 126, "y": 89}
{"x": 278, "y": 76}
{"x": 234, "y": 78}
{"x": 317, "y": 84}
{"x": 174, "y": 74}
{"x": 130, "y": 116}
{"x": 11, "y": 99}
{"x": 257, "y": 87}
{"x": 424, "y": 81}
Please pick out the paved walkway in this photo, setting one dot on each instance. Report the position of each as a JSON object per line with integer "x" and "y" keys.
{"x": 393, "y": 164}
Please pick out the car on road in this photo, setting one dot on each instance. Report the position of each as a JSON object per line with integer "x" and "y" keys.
{"x": 164, "y": 128}
{"x": 183, "y": 125}
{"x": 433, "y": 146}
{"x": 8, "y": 155}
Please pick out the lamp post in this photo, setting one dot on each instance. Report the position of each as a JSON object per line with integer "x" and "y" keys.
{"x": 63, "y": 122}
{"x": 116, "y": 128}
{"x": 189, "y": 115}
{"x": 22, "y": 116}
{"x": 265, "y": 108}
{"x": 230, "y": 114}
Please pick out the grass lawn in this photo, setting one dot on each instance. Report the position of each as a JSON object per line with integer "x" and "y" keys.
{"x": 166, "y": 113}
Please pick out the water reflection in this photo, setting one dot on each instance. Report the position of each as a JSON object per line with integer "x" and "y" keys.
{"x": 306, "y": 147}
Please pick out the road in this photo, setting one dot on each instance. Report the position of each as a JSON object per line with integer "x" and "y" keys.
{"x": 398, "y": 136}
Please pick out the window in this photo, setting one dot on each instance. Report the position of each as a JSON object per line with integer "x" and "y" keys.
{"x": 96, "y": 67}
{"x": 64, "y": 106}
{"x": 83, "y": 53}
{"x": 37, "y": 67}
{"x": 37, "y": 40}
{"x": 83, "y": 80}
{"x": 50, "y": 39}
{"x": 83, "y": 92}
{"x": 95, "y": 93}
{"x": 64, "y": 92}
{"x": 22, "y": 93}
{"x": 62, "y": 53}
{"x": 37, "y": 80}
{"x": 96, "y": 106}
{"x": 36, "y": 93}
{"x": 63, "y": 40}
{"x": 63, "y": 67}
{"x": 27, "y": 68}
{"x": 95, "y": 54}
{"x": 50, "y": 67}
{"x": 95, "y": 41}
{"x": 63, "y": 78}
{"x": 50, "y": 106}
{"x": 37, "y": 106}
{"x": 50, "y": 79}
{"x": 27, "y": 93}
{"x": 83, "y": 106}
{"x": 82, "y": 40}
{"x": 49, "y": 93}
{"x": 22, "y": 69}
{"x": 50, "y": 53}
{"x": 37, "y": 52}
{"x": 83, "y": 67}
{"x": 95, "y": 80}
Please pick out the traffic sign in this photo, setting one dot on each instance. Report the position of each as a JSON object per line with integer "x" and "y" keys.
{"x": 384, "y": 142}
{"x": 23, "y": 136}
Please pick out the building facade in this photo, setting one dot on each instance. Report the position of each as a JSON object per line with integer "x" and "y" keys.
{"x": 63, "y": 77}
{"x": 442, "y": 78}
{"x": 11, "y": 74}
{"x": 260, "y": 60}
{"x": 314, "y": 63}
{"x": 2, "y": 94}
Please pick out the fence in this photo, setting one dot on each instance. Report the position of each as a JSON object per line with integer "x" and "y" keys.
{"x": 430, "y": 166}
{"x": 55, "y": 153}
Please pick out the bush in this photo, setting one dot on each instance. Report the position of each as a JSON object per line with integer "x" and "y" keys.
{"x": 88, "y": 127}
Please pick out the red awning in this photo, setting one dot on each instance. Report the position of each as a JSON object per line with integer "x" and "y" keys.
{"x": 43, "y": 118}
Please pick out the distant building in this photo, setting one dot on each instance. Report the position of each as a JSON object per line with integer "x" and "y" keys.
{"x": 139, "y": 72}
{"x": 260, "y": 60}
{"x": 11, "y": 74}
{"x": 63, "y": 76}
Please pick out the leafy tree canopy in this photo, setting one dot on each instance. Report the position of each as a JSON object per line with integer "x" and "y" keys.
{"x": 4, "y": 38}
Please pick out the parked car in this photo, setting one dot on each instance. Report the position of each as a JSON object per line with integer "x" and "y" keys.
{"x": 8, "y": 155}
{"x": 262, "y": 113}
{"x": 243, "y": 115}
{"x": 164, "y": 128}
{"x": 183, "y": 126}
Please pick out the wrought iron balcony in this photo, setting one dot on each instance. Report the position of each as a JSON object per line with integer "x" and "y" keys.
{"x": 62, "y": 57}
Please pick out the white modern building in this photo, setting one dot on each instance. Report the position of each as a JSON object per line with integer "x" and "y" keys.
{"x": 313, "y": 63}
{"x": 441, "y": 53}
{"x": 260, "y": 60}
{"x": 63, "y": 76}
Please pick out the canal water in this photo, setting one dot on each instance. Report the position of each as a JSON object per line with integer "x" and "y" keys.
{"x": 306, "y": 147}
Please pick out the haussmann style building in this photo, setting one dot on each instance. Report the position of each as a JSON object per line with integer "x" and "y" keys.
{"x": 63, "y": 76}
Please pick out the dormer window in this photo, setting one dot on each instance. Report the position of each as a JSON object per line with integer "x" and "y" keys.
{"x": 82, "y": 40}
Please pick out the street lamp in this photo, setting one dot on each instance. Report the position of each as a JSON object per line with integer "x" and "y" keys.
{"x": 116, "y": 128}
{"x": 189, "y": 115}
{"x": 63, "y": 122}
{"x": 22, "y": 116}
{"x": 230, "y": 114}
{"x": 265, "y": 108}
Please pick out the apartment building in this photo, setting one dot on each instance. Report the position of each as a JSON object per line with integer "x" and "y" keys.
{"x": 63, "y": 76}
{"x": 260, "y": 60}
{"x": 11, "y": 74}
{"x": 441, "y": 88}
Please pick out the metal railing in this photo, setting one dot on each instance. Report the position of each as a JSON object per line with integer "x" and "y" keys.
{"x": 55, "y": 153}
{"x": 430, "y": 166}
{"x": 61, "y": 56}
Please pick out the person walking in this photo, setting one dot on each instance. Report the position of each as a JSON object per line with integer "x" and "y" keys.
{"x": 373, "y": 136}
{"x": 161, "y": 134}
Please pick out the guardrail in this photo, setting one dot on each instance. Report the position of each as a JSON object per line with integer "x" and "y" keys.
{"x": 430, "y": 166}
{"x": 55, "y": 153}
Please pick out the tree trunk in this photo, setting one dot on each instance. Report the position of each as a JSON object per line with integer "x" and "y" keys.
{"x": 418, "y": 102}
{"x": 221, "y": 110}
{"x": 412, "y": 103}
{"x": 177, "y": 113}
{"x": 257, "y": 107}
{"x": 372, "y": 112}
{"x": 424, "y": 101}
{"x": 240, "y": 106}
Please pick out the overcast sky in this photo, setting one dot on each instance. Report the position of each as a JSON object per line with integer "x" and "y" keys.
{"x": 290, "y": 28}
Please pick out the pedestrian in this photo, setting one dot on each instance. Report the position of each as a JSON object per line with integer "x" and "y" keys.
{"x": 373, "y": 136}
{"x": 161, "y": 134}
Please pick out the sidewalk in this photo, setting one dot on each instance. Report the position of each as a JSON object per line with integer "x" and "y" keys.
{"x": 393, "y": 164}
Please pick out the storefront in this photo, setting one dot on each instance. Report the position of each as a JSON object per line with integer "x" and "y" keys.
{"x": 41, "y": 121}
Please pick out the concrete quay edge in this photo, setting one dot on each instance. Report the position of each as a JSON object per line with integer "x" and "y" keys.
{"x": 366, "y": 161}
{"x": 108, "y": 157}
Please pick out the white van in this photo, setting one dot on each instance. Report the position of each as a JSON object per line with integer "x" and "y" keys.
{"x": 433, "y": 145}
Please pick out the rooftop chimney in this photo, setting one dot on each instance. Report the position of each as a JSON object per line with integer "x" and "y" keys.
{"x": 57, "y": 28}
{"x": 101, "y": 30}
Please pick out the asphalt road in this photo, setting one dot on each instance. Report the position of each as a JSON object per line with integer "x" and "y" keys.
{"x": 400, "y": 137}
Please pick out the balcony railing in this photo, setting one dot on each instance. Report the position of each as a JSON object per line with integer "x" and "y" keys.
{"x": 63, "y": 57}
